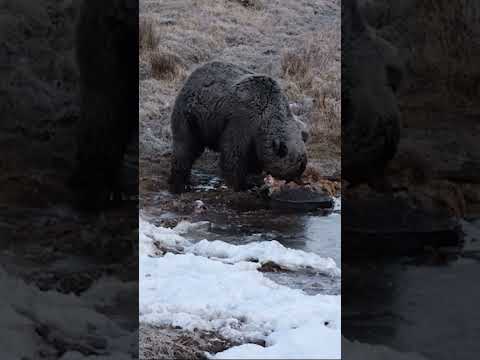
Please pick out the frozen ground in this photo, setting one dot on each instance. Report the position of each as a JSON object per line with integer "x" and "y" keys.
{"x": 218, "y": 288}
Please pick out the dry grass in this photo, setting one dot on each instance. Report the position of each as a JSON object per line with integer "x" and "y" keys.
{"x": 166, "y": 66}
{"x": 310, "y": 71}
{"x": 148, "y": 39}
{"x": 443, "y": 40}
{"x": 326, "y": 118}
{"x": 286, "y": 39}
{"x": 297, "y": 68}
{"x": 448, "y": 49}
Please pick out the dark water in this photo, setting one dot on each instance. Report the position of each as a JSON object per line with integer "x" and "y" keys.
{"x": 317, "y": 232}
{"x": 426, "y": 304}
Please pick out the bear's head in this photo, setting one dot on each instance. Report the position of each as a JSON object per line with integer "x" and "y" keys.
{"x": 280, "y": 140}
{"x": 284, "y": 154}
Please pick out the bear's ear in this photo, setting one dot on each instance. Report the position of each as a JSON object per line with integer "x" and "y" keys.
{"x": 280, "y": 148}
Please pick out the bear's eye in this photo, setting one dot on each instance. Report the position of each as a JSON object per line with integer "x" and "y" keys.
{"x": 280, "y": 148}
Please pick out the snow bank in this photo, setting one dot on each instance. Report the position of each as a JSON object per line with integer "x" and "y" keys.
{"x": 234, "y": 299}
{"x": 260, "y": 252}
{"x": 149, "y": 234}
{"x": 25, "y": 311}
{"x": 264, "y": 252}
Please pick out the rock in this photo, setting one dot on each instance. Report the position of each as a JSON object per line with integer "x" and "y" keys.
{"x": 301, "y": 199}
{"x": 270, "y": 266}
{"x": 296, "y": 196}
{"x": 199, "y": 207}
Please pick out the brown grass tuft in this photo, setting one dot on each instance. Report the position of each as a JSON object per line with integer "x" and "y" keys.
{"x": 450, "y": 53}
{"x": 310, "y": 71}
{"x": 295, "y": 66}
{"x": 166, "y": 66}
{"x": 326, "y": 119}
{"x": 147, "y": 37}
{"x": 444, "y": 63}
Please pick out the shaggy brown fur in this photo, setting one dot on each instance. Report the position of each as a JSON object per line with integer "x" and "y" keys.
{"x": 242, "y": 115}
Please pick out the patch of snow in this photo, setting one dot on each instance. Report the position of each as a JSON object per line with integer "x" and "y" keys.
{"x": 309, "y": 341}
{"x": 150, "y": 233}
{"x": 260, "y": 251}
{"x": 337, "y": 203}
{"x": 263, "y": 252}
{"x": 234, "y": 299}
{"x": 25, "y": 310}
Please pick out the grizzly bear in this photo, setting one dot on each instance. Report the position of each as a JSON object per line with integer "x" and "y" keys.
{"x": 242, "y": 115}
{"x": 371, "y": 75}
{"x": 106, "y": 46}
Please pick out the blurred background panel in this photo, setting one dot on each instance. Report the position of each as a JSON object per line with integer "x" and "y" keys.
{"x": 69, "y": 179}
{"x": 410, "y": 164}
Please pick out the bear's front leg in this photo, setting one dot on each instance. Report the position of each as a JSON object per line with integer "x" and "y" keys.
{"x": 234, "y": 164}
{"x": 235, "y": 176}
{"x": 184, "y": 155}
{"x": 181, "y": 165}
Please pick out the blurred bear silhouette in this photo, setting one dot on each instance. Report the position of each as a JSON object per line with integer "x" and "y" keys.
{"x": 107, "y": 55}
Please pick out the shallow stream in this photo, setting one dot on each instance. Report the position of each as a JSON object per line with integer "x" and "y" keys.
{"x": 313, "y": 232}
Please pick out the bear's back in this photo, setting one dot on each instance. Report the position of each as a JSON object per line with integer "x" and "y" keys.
{"x": 204, "y": 98}
{"x": 213, "y": 79}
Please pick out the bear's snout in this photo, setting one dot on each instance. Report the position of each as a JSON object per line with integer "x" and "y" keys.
{"x": 299, "y": 169}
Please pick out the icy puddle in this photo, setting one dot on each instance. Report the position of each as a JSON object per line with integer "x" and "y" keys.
{"x": 262, "y": 279}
